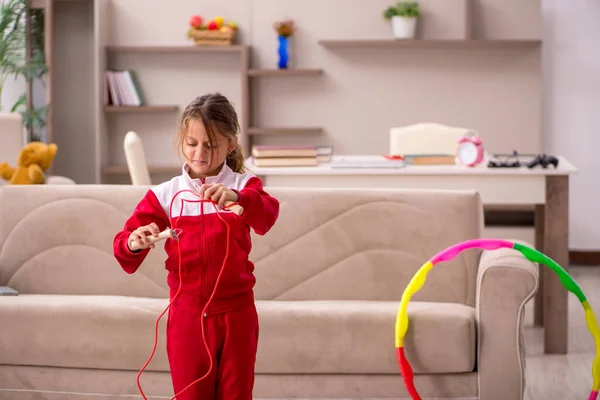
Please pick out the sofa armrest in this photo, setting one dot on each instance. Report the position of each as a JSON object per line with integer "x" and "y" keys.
{"x": 506, "y": 281}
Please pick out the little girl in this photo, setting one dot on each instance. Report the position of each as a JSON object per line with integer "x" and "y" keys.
{"x": 214, "y": 170}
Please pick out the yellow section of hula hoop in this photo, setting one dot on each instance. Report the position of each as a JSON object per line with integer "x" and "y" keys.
{"x": 592, "y": 325}
{"x": 413, "y": 287}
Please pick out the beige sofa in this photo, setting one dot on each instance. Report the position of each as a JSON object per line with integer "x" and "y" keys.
{"x": 330, "y": 277}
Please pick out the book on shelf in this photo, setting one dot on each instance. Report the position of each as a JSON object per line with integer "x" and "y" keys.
{"x": 122, "y": 89}
{"x": 290, "y": 156}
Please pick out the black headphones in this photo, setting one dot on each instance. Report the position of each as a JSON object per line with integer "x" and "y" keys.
{"x": 506, "y": 163}
{"x": 543, "y": 160}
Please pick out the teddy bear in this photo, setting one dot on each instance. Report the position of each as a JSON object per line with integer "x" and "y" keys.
{"x": 32, "y": 163}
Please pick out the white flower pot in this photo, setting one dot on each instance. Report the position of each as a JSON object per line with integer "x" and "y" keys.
{"x": 404, "y": 28}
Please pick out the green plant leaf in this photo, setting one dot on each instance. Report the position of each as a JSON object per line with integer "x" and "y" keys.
{"x": 20, "y": 102}
{"x": 389, "y": 12}
{"x": 410, "y": 9}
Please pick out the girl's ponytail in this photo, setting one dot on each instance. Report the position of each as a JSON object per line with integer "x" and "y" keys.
{"x": 235, "y": 159}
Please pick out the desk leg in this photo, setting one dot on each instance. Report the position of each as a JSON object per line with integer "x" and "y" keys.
{"x": 538, "y": 314}
{"x": 556, "y": 245}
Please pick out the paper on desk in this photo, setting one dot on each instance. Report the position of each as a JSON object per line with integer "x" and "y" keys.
{"x": 365, "y": 162}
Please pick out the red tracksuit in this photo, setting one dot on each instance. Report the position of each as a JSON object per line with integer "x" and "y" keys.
{"x": 231, "y": 322}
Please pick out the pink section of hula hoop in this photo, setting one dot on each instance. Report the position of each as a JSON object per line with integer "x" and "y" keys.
{"x": 593, "y": 395}
{"x": 487, "y": 244}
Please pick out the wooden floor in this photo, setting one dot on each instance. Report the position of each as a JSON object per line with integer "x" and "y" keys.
{"x": 564, "y": 377}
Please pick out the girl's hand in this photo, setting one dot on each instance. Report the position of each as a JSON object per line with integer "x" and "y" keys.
{"x": 140, "y": 238}
{"x": 217, "y": 193}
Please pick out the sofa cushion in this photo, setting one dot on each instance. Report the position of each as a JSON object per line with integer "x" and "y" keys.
{"x": 358, "y": 337}
{"x": 347, "y": 244}
{"x": 117, "y": 332}
{"x": 106, "y": 332}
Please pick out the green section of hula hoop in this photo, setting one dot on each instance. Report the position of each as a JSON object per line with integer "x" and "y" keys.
{"x": 565, "y": 278}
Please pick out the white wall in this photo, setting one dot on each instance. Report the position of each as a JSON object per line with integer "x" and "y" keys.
{"x": 11, "y": 92}
{"x": 571, "y": 108}
{"x": 13, "y": 89}
{"x": 367, "y": 91}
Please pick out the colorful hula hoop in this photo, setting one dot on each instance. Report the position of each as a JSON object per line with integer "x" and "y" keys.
{"x": 489, "y": 244}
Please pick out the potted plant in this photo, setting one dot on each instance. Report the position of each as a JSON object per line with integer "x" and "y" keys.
{"x": 12, "y": 39}
{"x": 15, "y": 63}
{"x": 404, "y": 16}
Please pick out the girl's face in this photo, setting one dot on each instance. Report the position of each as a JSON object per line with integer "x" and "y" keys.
{"x": 198, "y": 152}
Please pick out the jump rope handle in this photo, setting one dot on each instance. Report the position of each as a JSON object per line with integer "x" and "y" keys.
{"x": 166, "y": 234}
{"x": 235, "y": 207}
{"x": 170, "y": 233}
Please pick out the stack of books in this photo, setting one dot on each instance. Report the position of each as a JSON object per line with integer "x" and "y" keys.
{"x": 291, "y": 156}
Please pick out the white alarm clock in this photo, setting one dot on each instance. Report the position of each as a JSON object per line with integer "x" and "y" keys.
{"x": 470, "y": 149}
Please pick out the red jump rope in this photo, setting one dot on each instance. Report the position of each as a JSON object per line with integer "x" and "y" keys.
{"x": 173, "y": 233}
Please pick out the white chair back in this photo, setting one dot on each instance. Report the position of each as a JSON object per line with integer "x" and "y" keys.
{"x": 136, "y": 159}
{"x": 425, "y": 138}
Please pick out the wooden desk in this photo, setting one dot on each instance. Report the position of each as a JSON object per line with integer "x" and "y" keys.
{"x": 545, "y": 189}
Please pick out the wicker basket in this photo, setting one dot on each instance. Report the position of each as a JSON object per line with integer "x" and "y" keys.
{"x": 204, "y": 37}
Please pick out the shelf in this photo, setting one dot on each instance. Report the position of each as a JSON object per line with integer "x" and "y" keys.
{"x": 437, "y": 43}
{"x": 285, "y": 72}
{"x": 283, "y": 131}
{"x": 123, "y": 170}
{"x": 176, "y": 49}
{"x": 140, "y": 109}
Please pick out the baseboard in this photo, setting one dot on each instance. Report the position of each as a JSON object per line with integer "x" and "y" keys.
{"x": 578, "y": 257}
